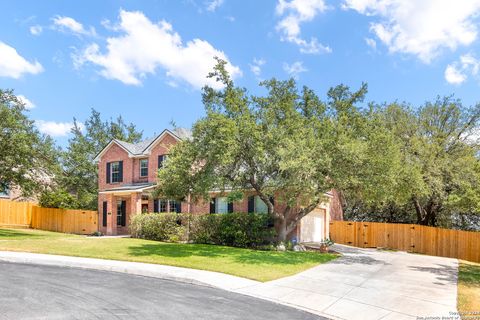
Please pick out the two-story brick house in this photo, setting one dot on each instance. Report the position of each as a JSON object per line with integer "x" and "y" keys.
{"x": 127, "y": 173}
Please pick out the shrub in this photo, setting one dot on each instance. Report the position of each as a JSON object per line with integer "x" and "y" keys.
{"x": 157, "y": 226}
{"x": 58, "y": 199}
{"x": 252, "y": 230}
{"x": 232, "y": 229}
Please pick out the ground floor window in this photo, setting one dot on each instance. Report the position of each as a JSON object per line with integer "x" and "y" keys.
{"x": 221, "y": 205}
{"x": 169, "y": 206}
{"x": 256, "y": 204}
{"x": 260, "y": 206}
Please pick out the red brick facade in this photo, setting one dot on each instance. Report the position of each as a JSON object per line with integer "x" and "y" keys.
{"x": 127, "y": 191}
{"x": 131, "y": 176}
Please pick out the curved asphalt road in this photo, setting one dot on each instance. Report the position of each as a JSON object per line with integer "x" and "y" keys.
{"x": 44, "y": 292}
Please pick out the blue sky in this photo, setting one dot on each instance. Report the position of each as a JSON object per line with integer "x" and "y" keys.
{"x": 147, "y": 60}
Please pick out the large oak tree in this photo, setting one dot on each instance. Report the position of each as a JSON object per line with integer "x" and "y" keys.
{"x": 287, "y": 146}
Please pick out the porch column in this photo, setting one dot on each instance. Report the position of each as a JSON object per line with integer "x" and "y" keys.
{"x": 111, "y": 215}
{"x": 135, "y": 204}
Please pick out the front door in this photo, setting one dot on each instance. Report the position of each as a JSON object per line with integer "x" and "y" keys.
{"x": 121, "y": 213}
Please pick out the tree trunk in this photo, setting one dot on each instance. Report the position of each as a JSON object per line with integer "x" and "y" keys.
{"x": 282, "y": 229}
{"x": 426, "y": 215}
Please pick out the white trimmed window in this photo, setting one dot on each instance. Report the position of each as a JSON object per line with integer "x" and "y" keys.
{"x": 143, "y": 167}
{"x": 115, "y": 172}
{"x": 260, "y": 206}
{"x": 168, "y": 206}
{"x": 221, "y": 205}
{"x": 161, "y": 160}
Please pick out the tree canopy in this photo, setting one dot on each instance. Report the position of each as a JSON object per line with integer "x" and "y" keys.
{"x": 28, "y": 159}
{"x": 438, "y": 180}
{"x": 416, "y": 164}
{"x": 77, "y": 186}
{"x": 288, "y": 146}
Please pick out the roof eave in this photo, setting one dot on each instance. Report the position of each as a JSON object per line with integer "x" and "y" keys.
{"x": 102, "y": 152}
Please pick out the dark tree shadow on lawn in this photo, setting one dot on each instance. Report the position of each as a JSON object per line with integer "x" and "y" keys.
{"x": 10, "y": 234}
{"x": 174, "y": 250}
{"x": 248, "y": 256}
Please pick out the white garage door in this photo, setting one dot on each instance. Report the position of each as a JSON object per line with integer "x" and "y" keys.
{"x": 312, "y": 227}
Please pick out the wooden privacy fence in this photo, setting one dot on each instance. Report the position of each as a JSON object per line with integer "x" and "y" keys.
{"x": 15, "y": 214}
{"x": 28, "y": 215}
{"x": 408, "y": 237}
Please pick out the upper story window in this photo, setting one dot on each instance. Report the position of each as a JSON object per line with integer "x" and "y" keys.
{"x": 115, "y": 172}
{"x": 143, "y": 167}
{"x": 161, "y": 159}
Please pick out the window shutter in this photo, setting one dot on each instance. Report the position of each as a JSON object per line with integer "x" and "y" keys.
{"x": 120, "y": 171}
{"x": 178, "y": 207}
{"x": 251, "y": 204}
{"x": 155, "y": 205}
{"x": 230, "y": 207}
{"x": 124, "y": 213}
{"x": 213, "y": 203}
{"x": 108, "y": 172}
{"x": 104, "y": 215}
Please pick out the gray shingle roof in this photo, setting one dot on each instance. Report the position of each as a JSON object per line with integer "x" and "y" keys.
{"x": 139, "y": 148}
{"x": 136, "y": 148}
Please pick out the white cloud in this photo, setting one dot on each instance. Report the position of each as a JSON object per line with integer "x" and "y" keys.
{"x": 421, "y": 28}
{"x": 294, "y": 69}
{"x": 14, "y": 65}
{"x": 28, "y": 104}
{"x": 371, "y": 43}
{"x": 36, "y": 30}
{"x": 65, "y": 24}
{"x": 294, "y": 13}
{"x": 212, "y": 5}
{"x": 458, "y": 71}
{"x": 56, "y": 129}
{"x": 145, "y": 46}
{"x": 453, "y": 75}
{"x": 256, "y": 66}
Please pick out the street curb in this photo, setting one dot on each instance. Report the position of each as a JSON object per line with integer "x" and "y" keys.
{"x": 185, "y": 275}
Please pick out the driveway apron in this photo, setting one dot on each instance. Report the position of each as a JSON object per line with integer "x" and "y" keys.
{"x": 370, "y": 284}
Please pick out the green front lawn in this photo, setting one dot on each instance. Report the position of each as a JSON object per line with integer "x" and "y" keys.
{"x": 252, "y": 264}
{"x": 468, "y": 303}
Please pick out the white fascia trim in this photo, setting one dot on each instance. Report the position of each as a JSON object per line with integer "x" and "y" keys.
{"x": 127, "y": 190}
{"x": 97, "y": 158}
{"x": 148, "y": 149}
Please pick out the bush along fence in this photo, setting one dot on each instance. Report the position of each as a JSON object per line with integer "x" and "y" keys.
{"x": 408, "y": 237}
{"x": 28, "y": 215}
{"x": 247, "y": 230}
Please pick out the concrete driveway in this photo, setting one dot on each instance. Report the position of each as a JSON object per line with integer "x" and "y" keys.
{"x": 370, "y": 284}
